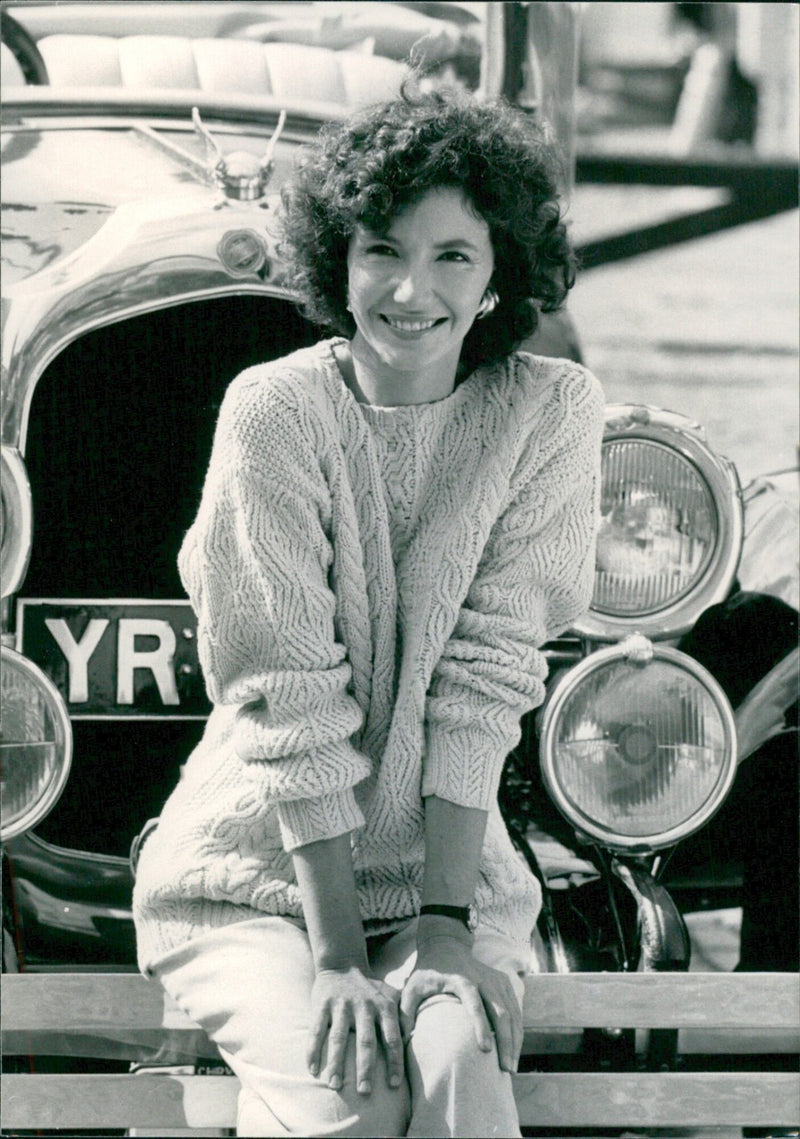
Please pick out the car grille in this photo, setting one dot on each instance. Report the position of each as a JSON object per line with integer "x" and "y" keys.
{"x": 119, "y": 438}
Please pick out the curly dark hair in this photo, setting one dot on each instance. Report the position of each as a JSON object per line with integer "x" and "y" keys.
{"x": 367, "y": 169}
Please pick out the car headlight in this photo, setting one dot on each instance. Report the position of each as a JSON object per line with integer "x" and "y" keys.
{"x": 670, "y": 527}
{"x": 35, "y": 744}
{"x": 16, "y": 520}
{"x": 637, "y": 753}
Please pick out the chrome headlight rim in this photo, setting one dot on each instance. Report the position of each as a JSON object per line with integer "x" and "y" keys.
{"x": 682, "y": 436}
{"x": 44, "y": 804}
{"x": 17, "y": 507}
{"x": 597, "y": 833}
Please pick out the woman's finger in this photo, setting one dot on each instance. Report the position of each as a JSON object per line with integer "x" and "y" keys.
{"x": 501, "y": 1022}
{"x": 316, "y": 1039}
{"x": 392, "y": 1045}
{"x": 472, "y": 1001}
{"x": 419, "y": 987}
{"x": 505, "y": 1014}
{"x": 512, "y": 1006}
{"x": 366, "y": 1050}
{"x": 338, "y": 1040}
{"x": 516, "y": 1023}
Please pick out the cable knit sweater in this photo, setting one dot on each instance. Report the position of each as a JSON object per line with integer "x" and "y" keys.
{"x": 372, "y": 587}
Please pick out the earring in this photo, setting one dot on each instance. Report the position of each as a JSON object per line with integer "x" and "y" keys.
{"x": 489, "y": 302}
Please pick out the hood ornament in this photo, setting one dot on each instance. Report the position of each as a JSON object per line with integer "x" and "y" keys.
{"x": 240, "y": 175}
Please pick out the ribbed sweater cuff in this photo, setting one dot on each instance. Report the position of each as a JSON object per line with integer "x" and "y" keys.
{"x": 463, "y": 766}
{"x": 312, "y": 820}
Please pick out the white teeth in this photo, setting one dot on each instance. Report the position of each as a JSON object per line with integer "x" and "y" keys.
{"x": 409, "y": 325}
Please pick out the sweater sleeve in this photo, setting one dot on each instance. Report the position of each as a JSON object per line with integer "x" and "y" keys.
{"x": 255, "y": 566}
{"x": 533, "y": 580}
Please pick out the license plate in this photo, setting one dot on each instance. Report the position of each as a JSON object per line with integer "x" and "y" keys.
{"x": 117, "y": 659}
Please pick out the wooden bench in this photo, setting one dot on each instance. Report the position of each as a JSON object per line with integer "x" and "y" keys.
{"x": 734, "y": 1012}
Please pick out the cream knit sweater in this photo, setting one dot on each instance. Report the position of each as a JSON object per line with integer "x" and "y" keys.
{"x": 372, "y": 587}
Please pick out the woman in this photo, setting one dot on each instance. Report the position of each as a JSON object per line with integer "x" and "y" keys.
{"x": 392, "y": 523}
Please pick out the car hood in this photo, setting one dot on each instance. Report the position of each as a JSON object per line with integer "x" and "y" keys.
{"x": 61, "y": 182}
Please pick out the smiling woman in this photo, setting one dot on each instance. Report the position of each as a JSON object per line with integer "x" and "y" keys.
{"x": 393, "y": 523}
{"x": 414, "y": 294}
{"x": 387, "y": 157}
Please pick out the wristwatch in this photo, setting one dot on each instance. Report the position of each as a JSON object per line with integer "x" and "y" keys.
{"x": 467, "y": 915}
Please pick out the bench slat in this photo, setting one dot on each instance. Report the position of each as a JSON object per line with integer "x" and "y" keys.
{"x": 657, "y": 1099}
{"x": 562, "y": 1099}
{"x": 663, "y": 1000}
{"x": 88, "y": 1003}
{"x": 118, "y": 1101}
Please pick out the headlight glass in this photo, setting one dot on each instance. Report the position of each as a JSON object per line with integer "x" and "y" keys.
{"x": 658, "y": 528}
{"x": 670, "y": 530}
{"x": 638, "y": 754}
{"x": 35, "y": 744}
{"x": 16, "y": 520}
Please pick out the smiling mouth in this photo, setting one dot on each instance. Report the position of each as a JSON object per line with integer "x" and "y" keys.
{"x": 411, "y": 325}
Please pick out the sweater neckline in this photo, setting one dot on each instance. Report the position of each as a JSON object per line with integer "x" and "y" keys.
{"x": 411, "y": 412}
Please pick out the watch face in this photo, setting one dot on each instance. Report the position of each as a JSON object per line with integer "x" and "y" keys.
{"x": 472, "y": 918}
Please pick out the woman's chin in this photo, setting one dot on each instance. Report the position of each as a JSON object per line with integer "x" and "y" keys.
{"x": 410, "y": 352}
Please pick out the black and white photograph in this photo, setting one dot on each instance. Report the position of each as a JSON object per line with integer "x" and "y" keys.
{"x": 400, "y": 566}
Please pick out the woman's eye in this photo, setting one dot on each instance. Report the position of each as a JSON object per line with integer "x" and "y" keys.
{"x": 381, "y": 250}
{"x": 455, "y": 255}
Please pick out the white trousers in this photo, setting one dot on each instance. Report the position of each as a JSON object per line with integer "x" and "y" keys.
{"x": 249, "y": 986}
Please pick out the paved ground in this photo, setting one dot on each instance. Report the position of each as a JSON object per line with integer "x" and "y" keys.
{"x": 708, "y": 328}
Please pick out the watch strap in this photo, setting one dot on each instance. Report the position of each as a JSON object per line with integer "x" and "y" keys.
{"x": 465, "y": 914}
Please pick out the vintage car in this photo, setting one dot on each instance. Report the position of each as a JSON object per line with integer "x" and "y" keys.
{"x": 140, "y": 274}
{"x": 144, "y": 147}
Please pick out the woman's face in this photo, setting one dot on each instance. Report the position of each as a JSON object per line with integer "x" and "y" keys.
{"x": 415, "y": 290}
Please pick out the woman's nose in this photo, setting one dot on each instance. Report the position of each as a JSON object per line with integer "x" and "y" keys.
{"x": 414, "y": 283}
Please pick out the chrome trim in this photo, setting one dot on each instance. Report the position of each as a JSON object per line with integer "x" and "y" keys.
{"x": 242, "y": 252}
{"x": 612, "y": 840}
{"x": 297, "y": 133}
{"x": 663, "y": 937}
{"x": 140, "y": 718}
{"x": 198, "y": 169}
{"x": 17, "y": 536}
{"x": 623, "y": 416}
{"x": 563, "y": 652}
{"x": 684, "y": 436}
{"x": 151, "y": 254}
{"x": 184, "y": 601}
{"x": 21, "y": 103}
{"x": 106, "y": 863}
{"x": 63, "y": 728}
{"x": 239, "y": 174}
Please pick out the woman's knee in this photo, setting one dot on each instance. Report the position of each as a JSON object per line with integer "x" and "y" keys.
{"x": 302, "y": 1105}
{"x": 382, "y": 1113}
{"x": 371, "y": 1116}
{"x": 457, "y": 1088}
{"x": 444, "y": 1039}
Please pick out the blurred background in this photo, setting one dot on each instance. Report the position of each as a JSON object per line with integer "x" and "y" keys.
{"x": 706, "y": 326}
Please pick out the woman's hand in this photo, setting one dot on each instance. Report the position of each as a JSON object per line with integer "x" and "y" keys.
{"x": 445, "y": 964}
{"x": 345, "y": 997}
{"x": 349, "y": 1000}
